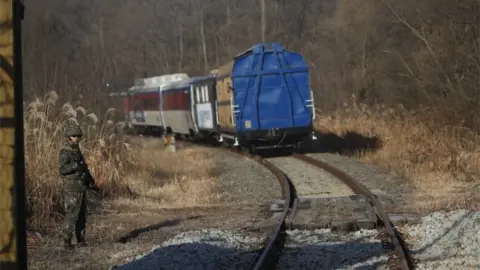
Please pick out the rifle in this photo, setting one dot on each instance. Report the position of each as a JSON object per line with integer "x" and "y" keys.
{"x": 85, "y": 173}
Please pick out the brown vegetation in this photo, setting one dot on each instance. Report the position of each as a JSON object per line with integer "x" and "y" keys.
{"x": 413, "y": 66}
{"x": 161, "y": 179}
{"x": 441, "y": 165}
{"x": 44, "y": 122}
{"x": 137, "y": 174}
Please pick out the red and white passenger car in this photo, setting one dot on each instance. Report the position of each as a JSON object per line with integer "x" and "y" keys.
{"x": 143, "y": 103}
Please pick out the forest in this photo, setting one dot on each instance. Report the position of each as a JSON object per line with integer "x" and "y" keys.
{"x": 408, "y": 53}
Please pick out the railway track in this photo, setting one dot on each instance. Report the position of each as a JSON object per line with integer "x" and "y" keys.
{"x": 275, "y": 243}
{"x": 272, "y": 250}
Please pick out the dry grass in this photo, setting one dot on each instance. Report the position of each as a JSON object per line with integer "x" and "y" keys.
{"x": 127, "y": 173}
{"x": 442, "y": 163}
{"x": 104, "y": 151}
{"x": 185, "y": 178}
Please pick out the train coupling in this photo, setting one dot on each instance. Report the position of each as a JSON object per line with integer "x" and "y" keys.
{"x": 313, "y": 136}
{"x": 274, "y": 133}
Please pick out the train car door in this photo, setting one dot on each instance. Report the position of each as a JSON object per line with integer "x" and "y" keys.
{"x": 225, "y": 102}
{"x": 138, "y": 113}
{"x": 203, "y": 97}
{"x": 160, "y": 107}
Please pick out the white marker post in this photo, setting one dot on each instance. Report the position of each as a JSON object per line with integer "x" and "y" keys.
{"x": 169, "y": 142}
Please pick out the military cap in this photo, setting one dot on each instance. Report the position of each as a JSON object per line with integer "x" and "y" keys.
{"x": 72, "y": 129}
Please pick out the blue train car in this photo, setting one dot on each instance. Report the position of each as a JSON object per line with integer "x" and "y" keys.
{"x": 264, "y": 97}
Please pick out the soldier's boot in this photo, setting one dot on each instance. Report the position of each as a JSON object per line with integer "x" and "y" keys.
{"x": 67, "y": 243}
{"x": 81, "y": 241}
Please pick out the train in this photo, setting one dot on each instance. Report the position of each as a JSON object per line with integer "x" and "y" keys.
{"x": 260, "y": 99}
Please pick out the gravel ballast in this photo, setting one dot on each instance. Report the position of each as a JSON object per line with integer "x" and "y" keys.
{"x": 323, "y": 249}
{"x": 446, "y": 240}
{"x": 205, "y": 249}
{"x": 218, "y": 249}
{"x": 440, "y": 241}
{"x": 243, "y": 180}
{"x": 372, "y": 177}
{"x": 310, "y": 180}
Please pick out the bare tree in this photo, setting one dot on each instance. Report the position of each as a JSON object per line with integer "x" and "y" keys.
{"x": 390, "y": 52}
{"x": 264, "y": 19}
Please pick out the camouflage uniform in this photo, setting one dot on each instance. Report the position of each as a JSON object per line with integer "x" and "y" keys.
{"x": 77, "y": 179}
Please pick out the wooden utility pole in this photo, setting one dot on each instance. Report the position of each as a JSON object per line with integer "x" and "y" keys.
{"x": 13, "y": 253}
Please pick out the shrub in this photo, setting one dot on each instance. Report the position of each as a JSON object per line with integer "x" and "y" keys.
{"x": 440, "y": 162}
{"x": 103, "y": 145}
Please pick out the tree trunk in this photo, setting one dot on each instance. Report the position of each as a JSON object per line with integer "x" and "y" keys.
{"x": 264, "y": 20}
{"x": 203, "y": 40}
{"x": 180, "y": 45}
{"x": 229, "y": 19}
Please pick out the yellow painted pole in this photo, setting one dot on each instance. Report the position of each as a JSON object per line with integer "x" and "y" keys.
{"x": 12, "y": 176}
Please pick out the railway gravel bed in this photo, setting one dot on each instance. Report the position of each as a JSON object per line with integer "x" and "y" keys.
{"x": 311, "y": 181}
{"x": 221, "y": 249}
{"x": 203, "y": 249}
{"x": 442, "y": 240}
{"x": 372, "y": 177}
{"x": 324, "y": 249}
{"x": 243, "y": 180}
{"x": 446, "y": 240}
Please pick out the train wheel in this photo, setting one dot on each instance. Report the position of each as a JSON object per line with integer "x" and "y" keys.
{"x": 225, "y": 144}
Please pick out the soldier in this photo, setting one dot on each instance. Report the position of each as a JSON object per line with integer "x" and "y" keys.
{"x": 77, "y": 178}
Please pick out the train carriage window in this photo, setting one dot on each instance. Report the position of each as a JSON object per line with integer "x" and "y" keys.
{"x": 207, "y": 97}
{"x": 167, "y": 101}
{"x": 181, "y": 100}
{"x": 197, "y": 94}
{"x": 175, "y": 101}
{"x": 205, "y": 92}
{"x": 171, "y": 100}
{"x": 208, "y": 93}
{"x": 137, "y": 105}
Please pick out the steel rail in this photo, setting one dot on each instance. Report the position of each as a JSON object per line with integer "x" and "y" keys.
{"x": 401, "y": 250}
{"x": 268, "y": 259}
{"x": 272, "y": 249}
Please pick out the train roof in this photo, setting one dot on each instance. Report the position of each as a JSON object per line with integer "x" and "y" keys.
{"x": 271, "y": 46}
{"x": 202, "y": 78}
{"x": 186, "y": 83}
{"x": 152, "y": 84}
{"x": 176, "y": 85}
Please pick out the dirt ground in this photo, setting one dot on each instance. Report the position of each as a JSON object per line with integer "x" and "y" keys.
{"x": 173, "y": 192}
{"x": 115, "y": 235}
